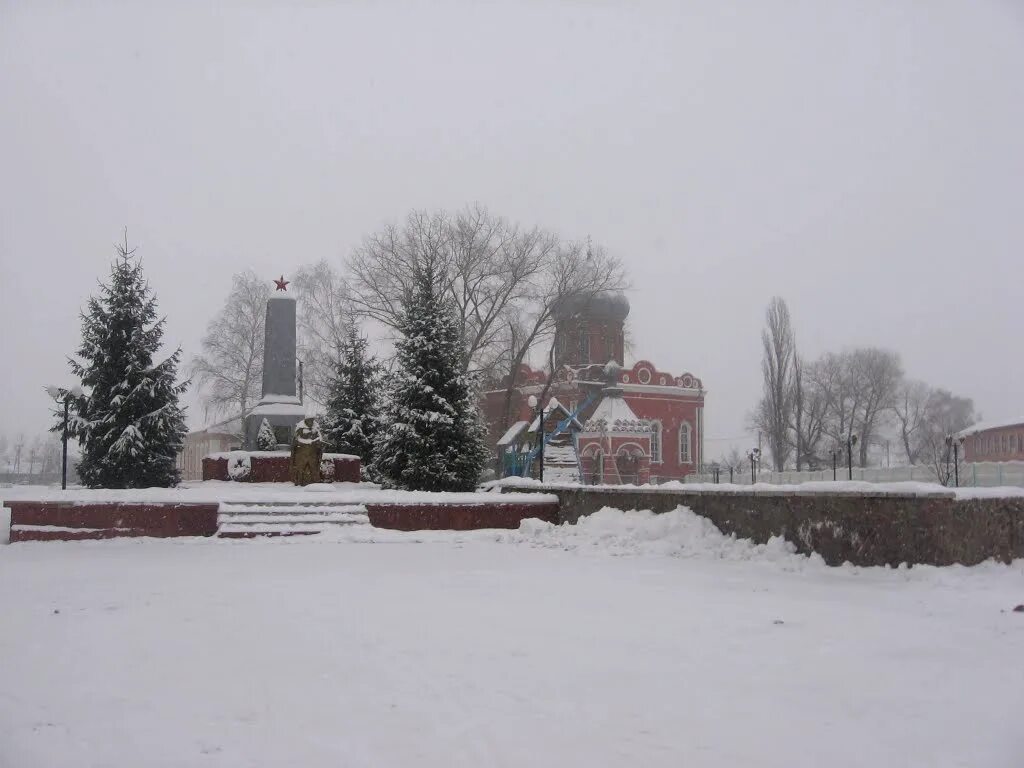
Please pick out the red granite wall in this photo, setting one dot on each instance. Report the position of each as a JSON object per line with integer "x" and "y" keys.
{"x": 47, "y": 520}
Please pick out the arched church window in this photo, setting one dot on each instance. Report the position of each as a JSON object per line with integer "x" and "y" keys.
{"x": 656, "y": 441}
{"x": 685, "y": 453}
{"x": 584, "y": 346}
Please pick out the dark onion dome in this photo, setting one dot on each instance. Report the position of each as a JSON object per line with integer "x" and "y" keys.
{"x": 610, "y": 305}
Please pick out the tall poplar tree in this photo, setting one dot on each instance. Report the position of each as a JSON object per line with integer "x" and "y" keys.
{"x": 129, "y": 423}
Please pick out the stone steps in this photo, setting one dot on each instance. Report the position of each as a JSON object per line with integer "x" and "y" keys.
{"x": 249, "y": 519}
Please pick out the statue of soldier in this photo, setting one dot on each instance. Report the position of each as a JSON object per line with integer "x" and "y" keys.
{"x": 307, "y": 450}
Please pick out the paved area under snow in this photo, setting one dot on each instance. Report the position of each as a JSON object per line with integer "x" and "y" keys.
{"x": 626, "y": 641}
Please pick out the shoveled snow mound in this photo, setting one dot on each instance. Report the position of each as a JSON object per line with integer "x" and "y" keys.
{"x": 679, "y": 533}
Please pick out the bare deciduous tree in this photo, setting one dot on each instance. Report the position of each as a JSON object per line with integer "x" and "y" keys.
{"x": 859, "y": 387}
{"x": 733, "y": 459}
{"x": 575, "y": 273}
{"x": 230, "y": 370}
{"x": 910, "y": 409}
{"x": 877, "y": 374}
{"x": 946, "y": 415}
{"x": 505, "y": 281}
{"x": 495, "y": 272}
{"x": 325, "y": 316}
{"x": 809, "y": 412}
{"x": 17, "y": 449}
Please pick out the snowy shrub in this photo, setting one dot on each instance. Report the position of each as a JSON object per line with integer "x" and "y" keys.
{"x": 327, "y": 470}
{"x": 265, "y": 439}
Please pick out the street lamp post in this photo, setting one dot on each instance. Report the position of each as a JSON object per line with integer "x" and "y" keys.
{"x": 754, "y": 454}
{"x": 74, "y": 393}
{"x": 851, "y": 441}
{"x": 954, "y": 442}
{"x": 836, "y": 452}
{"x": 534, "y": 403}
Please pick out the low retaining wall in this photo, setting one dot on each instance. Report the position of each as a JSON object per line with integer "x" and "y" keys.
{"x": 53, "y": 520}
{"x": 275, "y": 468}
{"x": 69, "y": 521}
{"x": 458, "y": 517}
{"x": 860, "y": 528}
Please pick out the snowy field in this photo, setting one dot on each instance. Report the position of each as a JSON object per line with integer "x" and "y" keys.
{"x": 629, "y": 640}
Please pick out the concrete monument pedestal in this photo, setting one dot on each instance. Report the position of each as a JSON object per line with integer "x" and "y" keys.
{"x": 279, "y": 405}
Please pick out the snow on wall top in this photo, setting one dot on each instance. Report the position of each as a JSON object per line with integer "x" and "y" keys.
{"x": 257, "y": 454}
{"x": 840, "y": 487}
{"x": 215, "y": 491}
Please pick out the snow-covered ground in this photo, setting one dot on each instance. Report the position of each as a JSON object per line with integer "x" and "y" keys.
{"x": 628, "y": 640}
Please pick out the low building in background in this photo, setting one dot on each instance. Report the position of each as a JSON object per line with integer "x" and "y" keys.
{"x": 994, "y": 441}
{"x": 216, "y": 438}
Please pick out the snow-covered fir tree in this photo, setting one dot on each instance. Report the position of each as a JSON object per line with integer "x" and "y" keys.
{"x": 129, "y": 422}
{"x": 265, "y": 439}
{"x": 432, "y": 436}
{"x": 353, "y": 405}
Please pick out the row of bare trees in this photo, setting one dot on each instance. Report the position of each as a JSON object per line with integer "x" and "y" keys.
{"x": 506, "y": 281}
{"x": 39, "y": 455}
{"x": 810, "y": 408}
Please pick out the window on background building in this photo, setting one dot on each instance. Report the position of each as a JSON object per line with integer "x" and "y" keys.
{"x": 685, "y": 454}
{"x": 656, "y": 441}
{"x": 584, "y": 346}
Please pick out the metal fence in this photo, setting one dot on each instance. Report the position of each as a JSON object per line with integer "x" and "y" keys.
{"x": 981, "y": 474}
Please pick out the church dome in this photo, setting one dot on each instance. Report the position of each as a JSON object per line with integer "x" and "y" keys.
{"x": 610, "y": 305}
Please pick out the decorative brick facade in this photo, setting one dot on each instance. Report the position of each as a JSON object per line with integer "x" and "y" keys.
{"x": 586, "y": 341}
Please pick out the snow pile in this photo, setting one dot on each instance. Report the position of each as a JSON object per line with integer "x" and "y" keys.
{"x": 679, "y": 533}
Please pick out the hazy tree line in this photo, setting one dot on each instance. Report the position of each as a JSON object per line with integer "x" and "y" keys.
{"x": 859, "y": 397}
{"x": 503, "y": 281}
{"x": 38, "y": 455}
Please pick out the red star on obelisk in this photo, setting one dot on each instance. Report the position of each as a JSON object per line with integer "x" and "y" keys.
{"x": 282, "y": 284}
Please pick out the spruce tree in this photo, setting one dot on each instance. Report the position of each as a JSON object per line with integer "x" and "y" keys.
{"x": 432, "y": 437}
{"x": 129, "y": 422}
{"x": 353, "y": 411}
{"x": 265, "y": 439}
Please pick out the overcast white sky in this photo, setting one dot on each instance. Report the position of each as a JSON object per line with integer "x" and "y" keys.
{"x": 865, "y": 160}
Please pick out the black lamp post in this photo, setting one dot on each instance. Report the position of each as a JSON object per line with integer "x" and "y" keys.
{"x": 836, "y": 452}
{"x": 65, "y": 398}
{"x": 851, "y": 441}
{"x": 534, "y": 403}
{"x": 955, "y": 442}
{"x": 755, "y": 456}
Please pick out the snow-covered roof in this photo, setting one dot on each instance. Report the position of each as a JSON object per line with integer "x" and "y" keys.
{"x": 984, "y": 426}
{"x": 230, "y": 426}
{"x": 512, "y": 433}
{"x": 553, "y": 406}
{"x": 279, "y": 409}
{"x": 613, "y": 413}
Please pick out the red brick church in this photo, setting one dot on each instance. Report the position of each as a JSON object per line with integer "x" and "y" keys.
{"x": 605, "y": 423}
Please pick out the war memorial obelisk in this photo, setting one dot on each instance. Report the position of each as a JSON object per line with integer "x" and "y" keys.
{"x": 279, "y": 404}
